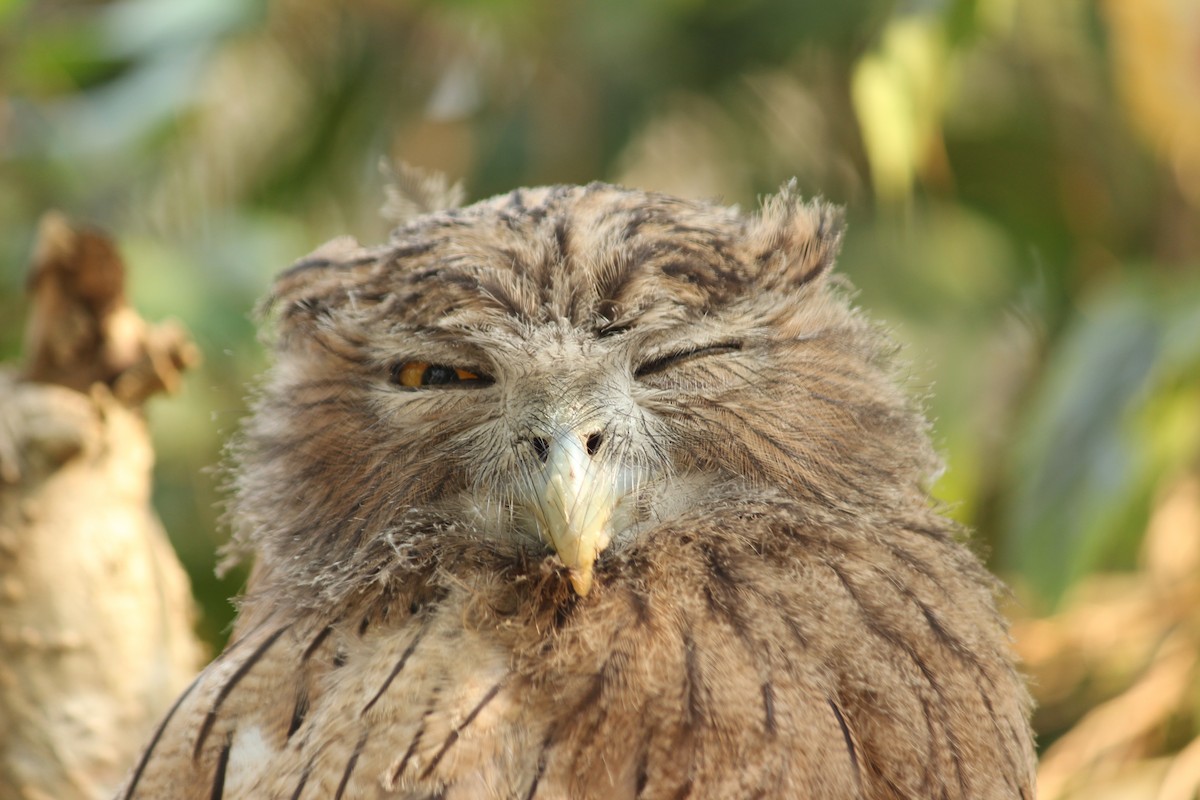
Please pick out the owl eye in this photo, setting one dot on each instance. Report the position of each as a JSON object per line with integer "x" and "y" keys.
{"x": 671, "y": 359}
{"x": 415, "y": 374}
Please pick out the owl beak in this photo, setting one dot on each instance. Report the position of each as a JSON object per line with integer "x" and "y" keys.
{"x": 574, "y": 506}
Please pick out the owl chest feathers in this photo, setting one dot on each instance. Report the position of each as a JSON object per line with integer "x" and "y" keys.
{"x": 705, "y": 676}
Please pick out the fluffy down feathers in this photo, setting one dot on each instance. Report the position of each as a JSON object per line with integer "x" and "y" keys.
{"x": 777, "y": 612}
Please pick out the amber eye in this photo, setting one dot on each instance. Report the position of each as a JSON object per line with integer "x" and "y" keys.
{"x": 415, "y": 374}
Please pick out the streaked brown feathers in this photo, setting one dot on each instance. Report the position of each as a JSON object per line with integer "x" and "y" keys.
{"x": 779, "y": 612}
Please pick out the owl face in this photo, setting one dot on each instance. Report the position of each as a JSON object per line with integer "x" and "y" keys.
{"x": 561, "y": 369}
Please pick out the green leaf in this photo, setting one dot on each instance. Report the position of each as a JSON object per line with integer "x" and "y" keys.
{"x": 1088, "y": 455}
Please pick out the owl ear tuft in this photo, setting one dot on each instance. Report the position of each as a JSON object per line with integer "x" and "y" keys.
{"x": 795, "y": 241}
{"x": 307, "y": 287}
{"x": 412, "y": 191}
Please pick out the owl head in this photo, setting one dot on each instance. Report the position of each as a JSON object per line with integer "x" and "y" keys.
{"x": 554, "y": 372}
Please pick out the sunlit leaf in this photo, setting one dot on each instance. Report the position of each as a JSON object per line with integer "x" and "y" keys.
{"x": 898, "y": 94}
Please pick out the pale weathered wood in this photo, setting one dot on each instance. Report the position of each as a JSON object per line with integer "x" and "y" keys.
{"x": 96, "y": 614}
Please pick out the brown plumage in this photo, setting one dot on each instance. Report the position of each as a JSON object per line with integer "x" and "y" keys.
{"x": 682, "y": 393}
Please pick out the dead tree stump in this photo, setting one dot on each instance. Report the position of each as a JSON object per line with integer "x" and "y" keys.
{"x": 96, "y": 614}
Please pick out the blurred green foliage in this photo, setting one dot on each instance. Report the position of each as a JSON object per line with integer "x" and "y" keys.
{"x": 1022, "y": 179}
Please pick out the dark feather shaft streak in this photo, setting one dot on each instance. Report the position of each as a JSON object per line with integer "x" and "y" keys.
{"x": 350, "y": 764}
{"x": 408, "y": 651}
{"x": 851, "y": 750}
{"x": 454, "y": 734}
{"x": 241, "y": 672}
{"x": 218, "y": 782}
{"x": 158, "y": 732}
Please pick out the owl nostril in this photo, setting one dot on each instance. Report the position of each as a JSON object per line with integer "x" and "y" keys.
{"x": 541, "y": 447}
{"x": 593, "y": 443}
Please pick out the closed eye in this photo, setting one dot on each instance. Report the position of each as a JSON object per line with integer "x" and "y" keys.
{"x": 671, "y": 359}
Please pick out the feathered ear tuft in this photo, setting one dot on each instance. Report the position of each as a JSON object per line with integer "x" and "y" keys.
{"x": 796, "y": 242}
{"x": 307, "y": 287}
{"x": 412, "y": 191}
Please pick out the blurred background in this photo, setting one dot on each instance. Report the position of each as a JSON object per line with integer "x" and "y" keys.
{"x": 1022, "y": 181}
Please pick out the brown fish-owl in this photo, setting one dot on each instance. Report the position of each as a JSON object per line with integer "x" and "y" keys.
{"x": 585, "y": 492}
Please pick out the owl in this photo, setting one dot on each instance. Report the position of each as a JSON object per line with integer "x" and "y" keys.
{"x": 587, "y": 492}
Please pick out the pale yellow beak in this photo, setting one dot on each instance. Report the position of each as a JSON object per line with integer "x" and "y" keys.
{"x": 574, "y": 506}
